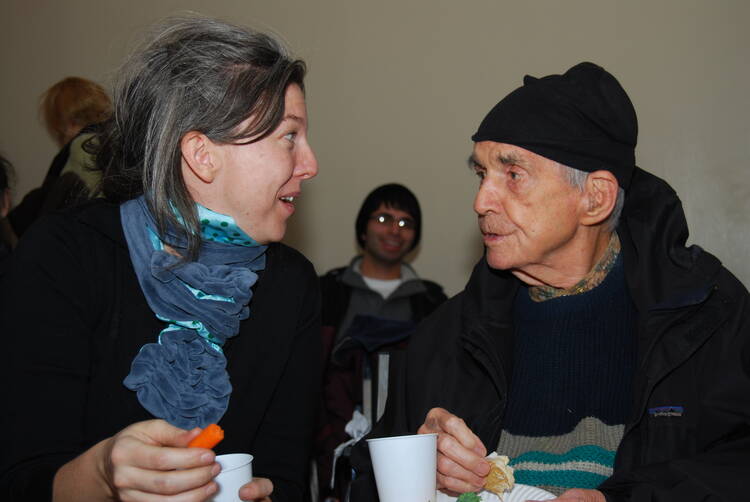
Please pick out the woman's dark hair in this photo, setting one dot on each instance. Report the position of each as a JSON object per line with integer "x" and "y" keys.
{"x": 193, "y": 74}
{"x": 392, "y": 195}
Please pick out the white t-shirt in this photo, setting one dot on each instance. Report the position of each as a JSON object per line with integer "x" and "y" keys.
{"x": 384, "y": 287}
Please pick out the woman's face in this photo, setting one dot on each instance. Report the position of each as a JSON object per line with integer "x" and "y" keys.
{"x": 259, "y": 182}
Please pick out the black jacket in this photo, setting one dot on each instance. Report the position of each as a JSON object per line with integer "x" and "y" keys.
{"x": 57, "y": 191}
{"x": 693, "y": 341}
{"x": 336, "y": 295}
{"x": 73, "y": 316}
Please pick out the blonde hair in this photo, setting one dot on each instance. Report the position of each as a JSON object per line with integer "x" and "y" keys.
{"x": 73, "y": 102}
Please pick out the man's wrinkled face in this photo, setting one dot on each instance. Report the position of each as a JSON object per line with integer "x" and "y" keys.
{"x": 528, "y": 212}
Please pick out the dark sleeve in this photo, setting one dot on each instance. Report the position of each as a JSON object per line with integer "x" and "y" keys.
{"x": 719, "y": 470}
{"x": 436, "y": 293}
{"x": 25, "y": 213}
{"x": 394, "y": 422}
{"x": 29, "y": 209}
{"x": 424, "y": 304}
{"x": 286, "y": 432}
{"x": 418, "y": 380}
{"x": 45, "y": 323}
{"x": 335, "y": 299}
{"x": 717, "y": 475}
{"x": 440, "y": 368}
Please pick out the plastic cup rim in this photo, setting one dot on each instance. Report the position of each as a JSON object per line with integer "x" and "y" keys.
{"x": 244, "y": 463}
{"x": 402, "y": 437}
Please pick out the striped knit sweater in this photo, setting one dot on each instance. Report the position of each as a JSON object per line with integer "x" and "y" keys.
{"x": 571, "y": 387}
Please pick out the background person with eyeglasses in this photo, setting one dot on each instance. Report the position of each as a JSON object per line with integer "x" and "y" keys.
{"x": 371, "y": 305}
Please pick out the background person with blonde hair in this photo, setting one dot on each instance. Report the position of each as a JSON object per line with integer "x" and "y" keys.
{"x": 71, "y": 110}
{"x": 70, "y": 105}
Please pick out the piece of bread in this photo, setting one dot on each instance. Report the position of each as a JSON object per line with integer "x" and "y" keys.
{"x": 500, "y": 479}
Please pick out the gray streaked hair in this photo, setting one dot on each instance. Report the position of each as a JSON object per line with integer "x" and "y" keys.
{"x": 192, "y": 74}
{"x": 577, "y": 178}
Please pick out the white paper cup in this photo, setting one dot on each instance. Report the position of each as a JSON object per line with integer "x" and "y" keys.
{"x": 236, "y": 472}
{"x": 405, "y": 467}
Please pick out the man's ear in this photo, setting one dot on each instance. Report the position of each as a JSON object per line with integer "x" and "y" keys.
{"x": 199, "y": 156}
{"x": 600, "y": 196}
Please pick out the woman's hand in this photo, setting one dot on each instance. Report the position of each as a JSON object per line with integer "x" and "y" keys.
{"x": 461, "y": 466}
{"x": 257, "y": 490}
{"x": 145, "y": 461}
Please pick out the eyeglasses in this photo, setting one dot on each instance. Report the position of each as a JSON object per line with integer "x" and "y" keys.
{"x": 387, "y": 220}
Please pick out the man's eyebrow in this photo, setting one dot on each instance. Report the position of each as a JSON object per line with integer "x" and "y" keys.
{"x": 504, "y": 159}
{"x": 472, "y": 162}
{"x": 509, "y": 159}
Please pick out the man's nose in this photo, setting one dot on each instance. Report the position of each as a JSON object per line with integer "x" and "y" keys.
{"x": 394, "y": 227}
{"x": 486, "y": 199}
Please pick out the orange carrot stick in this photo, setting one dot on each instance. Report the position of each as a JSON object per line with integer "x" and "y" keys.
{"x": 208, "y": 438}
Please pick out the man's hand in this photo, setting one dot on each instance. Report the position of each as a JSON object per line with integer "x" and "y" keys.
{"x": 461, "y": 464}
{"x": 580, "y": 495}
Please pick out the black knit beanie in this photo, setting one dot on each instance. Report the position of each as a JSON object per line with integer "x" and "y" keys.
{"x": 582, "y": 119}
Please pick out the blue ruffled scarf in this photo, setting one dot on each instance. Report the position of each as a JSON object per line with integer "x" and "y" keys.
{"x": 182, "y": 378}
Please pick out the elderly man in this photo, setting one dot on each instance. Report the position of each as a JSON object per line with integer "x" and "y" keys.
{"x": 605, "y": 358}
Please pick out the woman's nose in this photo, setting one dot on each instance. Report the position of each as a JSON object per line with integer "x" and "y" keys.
{"x": 308, "y": 164}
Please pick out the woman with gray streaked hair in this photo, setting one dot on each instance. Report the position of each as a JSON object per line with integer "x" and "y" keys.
{"x": 170, "y": 304}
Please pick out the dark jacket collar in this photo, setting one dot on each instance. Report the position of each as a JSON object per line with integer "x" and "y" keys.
{"x": 660, "y": 270}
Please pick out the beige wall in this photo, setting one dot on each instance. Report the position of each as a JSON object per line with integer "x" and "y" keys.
{"x": 396, "y": 88}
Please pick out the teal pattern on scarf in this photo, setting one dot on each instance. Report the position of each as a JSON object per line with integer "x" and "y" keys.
{"x": 217, "y": 227}
{"x": 182, "y": 378}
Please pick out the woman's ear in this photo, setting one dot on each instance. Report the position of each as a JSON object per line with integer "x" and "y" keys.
{"x": 198, "y": 156}
{"x": 600, "y": 196}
